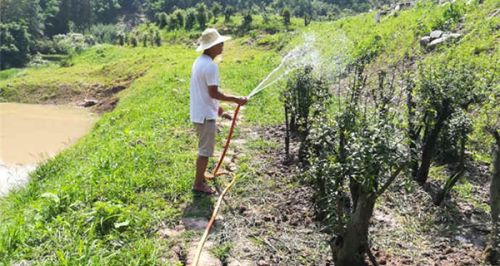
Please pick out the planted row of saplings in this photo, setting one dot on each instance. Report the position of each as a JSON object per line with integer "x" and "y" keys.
{"x": 355, "y": 139}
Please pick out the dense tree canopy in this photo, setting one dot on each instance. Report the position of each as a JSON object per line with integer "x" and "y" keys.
{"x": 43, "y": 19}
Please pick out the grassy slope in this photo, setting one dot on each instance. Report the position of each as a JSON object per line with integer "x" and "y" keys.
{"x": 134, "y": 169}
{"x": 104, "y": 67}
{"x": 349, "y": 39}
{"x": 386, "y": 43}
{"x": 101, "y": 200}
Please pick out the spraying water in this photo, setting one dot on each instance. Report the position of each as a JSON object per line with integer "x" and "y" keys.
{"x": 329, "y": 56}
{"x": 298, "y": 57}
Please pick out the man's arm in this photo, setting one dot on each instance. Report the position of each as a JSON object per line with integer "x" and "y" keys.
{"x": 214, "y": 92}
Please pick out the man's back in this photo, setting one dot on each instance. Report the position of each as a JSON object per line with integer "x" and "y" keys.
{"x": 204, "y": 73}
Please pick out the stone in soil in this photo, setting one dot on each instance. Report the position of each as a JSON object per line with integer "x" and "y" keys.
{"x": 206, "y": 258}
{"x": 234, "y": 262}
{"x": 195, "y": 223}
{"x": 170, "y": 233}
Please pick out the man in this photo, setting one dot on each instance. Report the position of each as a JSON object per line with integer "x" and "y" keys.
{"x": 204, "y": 102}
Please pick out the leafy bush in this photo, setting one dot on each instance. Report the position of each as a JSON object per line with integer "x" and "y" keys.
{"x": 354, "y": 156}
{"x": 443, "y": 89}
{"x": 14, "y": 45}
{"x": 201, "y": 15}
{"x": 303, "y": 91}
{"x": 452, "y": 13}
{"x": 106, "y": 33}
{"x": 190, "y": 19}
{"x": 162, "y": 20}
{"x": 72, "y": 42}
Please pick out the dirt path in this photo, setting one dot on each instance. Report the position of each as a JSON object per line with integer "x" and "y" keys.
{"x": 270, "y": 220}
{"x": 266, "y": 219}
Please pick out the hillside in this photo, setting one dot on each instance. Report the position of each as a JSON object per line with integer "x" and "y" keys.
{"x": 110, "y": 198}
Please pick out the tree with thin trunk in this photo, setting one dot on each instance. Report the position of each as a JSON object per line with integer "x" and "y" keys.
{"x": 495, "y": 202}
{"x": 286, "y": 17}
{"x": 354, "y": 158}
{"x": 442, "y": 89}
{"x": 216, "y": 10}
{"x": 493, "y": 250}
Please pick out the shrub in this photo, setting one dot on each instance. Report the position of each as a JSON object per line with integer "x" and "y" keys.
{"x": 106, "y": 33}
{"x": 157, "y": 38}
{"x": 302, "y": 92}
{"x": 354, "y": 157}
{"x": 162, "y": 20}
{"x": 190, "y": 19}
{"x": 228, "y": 12}
{"x": 71, "y": 42}
{"x": 216, "y": 9}
{"x": 14, "y": 45}
{"x": 133, "y": 41}
{"x": 201, "y": 15}
{"x": 286, "y": 17}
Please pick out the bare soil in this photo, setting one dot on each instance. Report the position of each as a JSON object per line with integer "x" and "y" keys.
{"x": 268, "y": 218}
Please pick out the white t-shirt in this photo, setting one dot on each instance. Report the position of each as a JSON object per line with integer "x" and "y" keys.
{"x": 203, "y": 74}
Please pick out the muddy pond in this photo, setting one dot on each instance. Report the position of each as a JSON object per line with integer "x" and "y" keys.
{"x": 32, "y": 133}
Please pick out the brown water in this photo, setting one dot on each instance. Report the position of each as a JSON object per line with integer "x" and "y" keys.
{"x": 31, "y": 133}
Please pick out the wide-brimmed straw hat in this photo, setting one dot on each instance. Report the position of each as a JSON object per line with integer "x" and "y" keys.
{"x": 209, "y": 38}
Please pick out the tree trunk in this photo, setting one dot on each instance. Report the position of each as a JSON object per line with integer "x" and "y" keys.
{"x": 427, "y": 154}
{"x": 452, "y": 180}
{"x": 350, "y": 248}
{"x": 287, "y": 134}
{"x": 494, "y": 256}
{"x": 430, "y": 143}
{"x": 412, "y": 132}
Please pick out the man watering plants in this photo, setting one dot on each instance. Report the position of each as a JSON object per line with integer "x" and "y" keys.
{"x": 204, "y": 102}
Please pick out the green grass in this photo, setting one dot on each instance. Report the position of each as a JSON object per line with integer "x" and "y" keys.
{"x": 8, "y": 73}
{"x": 100, "y": 201}
{"x": 102, "y": 67}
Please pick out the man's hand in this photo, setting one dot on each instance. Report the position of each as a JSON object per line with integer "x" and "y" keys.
{"x": 221, "y": 111}
{"x": 214, "y": 92}
{"x": 241, "y": 100}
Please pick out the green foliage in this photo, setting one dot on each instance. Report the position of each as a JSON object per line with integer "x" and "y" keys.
{"x": 14, "y": 45}
{"x": 162, "y": 20}
{"x": 452, "y": 140}
{"x": 133, "y": 41}
{"x": 133, "y": 170}
{"x": 72, "y": 42}
{"x": 303, "y": 93}
{"x": 108, "y": 33}
{"x": 201, "y": 15}
{"x": 157, "y": 38}
{"x": 121, "y": 39}
{"x": 105, "y": 11}
{"x": 286, "y": 17}
{"x": 190, "y": 19}
{"x": 216, "y": 10}
{"x": 452, "y": 14}
{"x": 228, "y": 12}
{"x": 176, "y": 20}
{"x": 247, "y": 21}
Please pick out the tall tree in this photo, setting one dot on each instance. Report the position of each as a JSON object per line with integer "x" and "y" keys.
{"x": 201, "y": 15}
{"x": 190, "y": 18}
{"x": 216, "y": 10}
{"x": 286, "y": 17}
{"x": 105, "y": 11}
{"x": 14, "y": 45}
{"x": 228, "y": 12}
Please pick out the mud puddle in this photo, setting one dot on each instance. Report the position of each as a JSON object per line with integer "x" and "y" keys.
{"x": 31, "y": 133}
